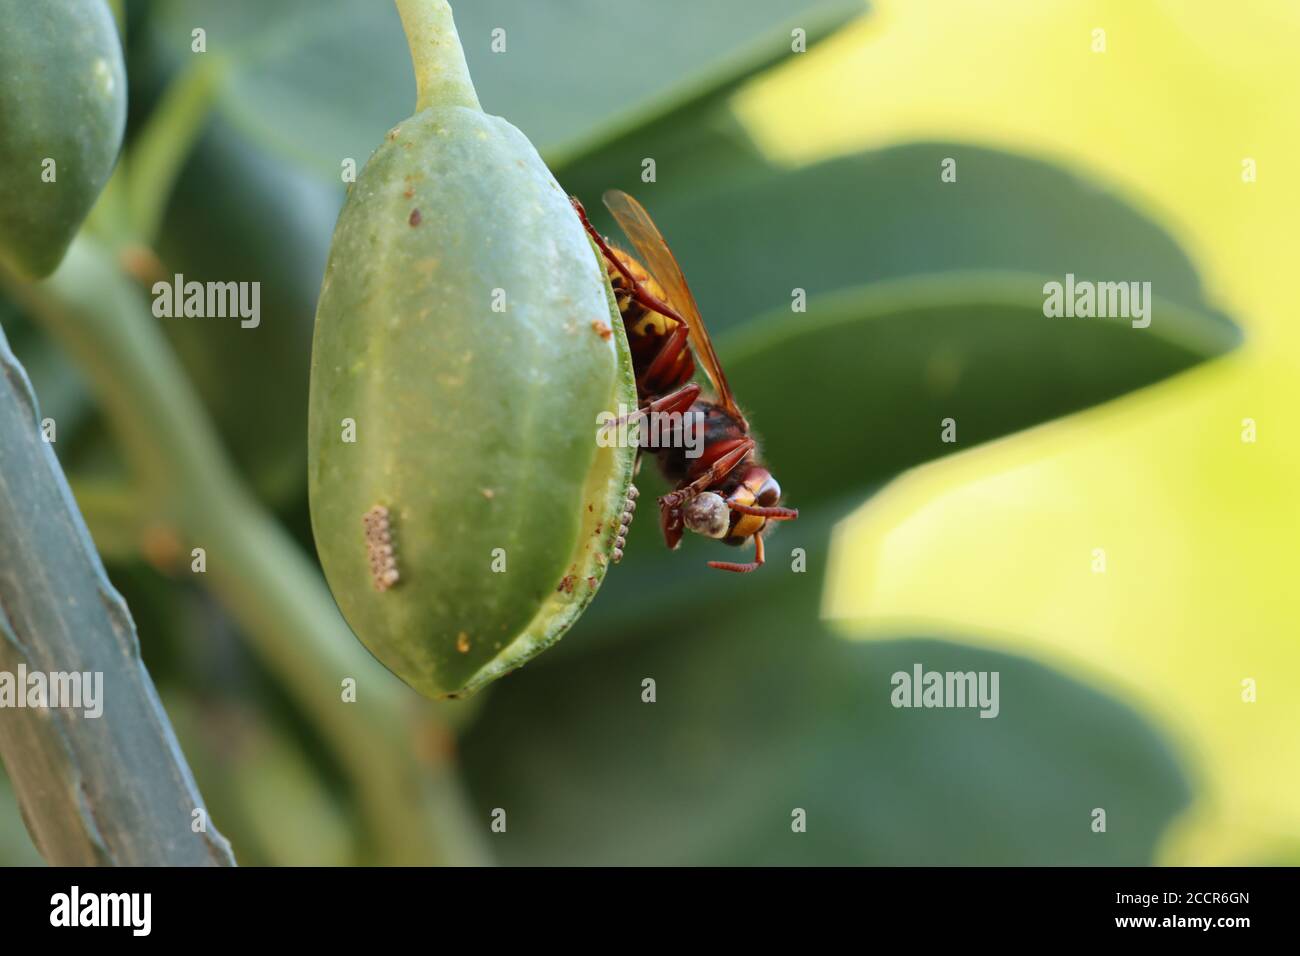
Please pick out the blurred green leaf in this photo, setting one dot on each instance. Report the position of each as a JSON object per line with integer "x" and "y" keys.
{"x": 692, "y": 136}
{"x": 622, "y": 64}
{"x": 885, "y": 214}
{"x": 321, "y": 80}
{"x": 761, "y": 710}
{"x": 701, "y": 143}
{"x": 855, "y": 390}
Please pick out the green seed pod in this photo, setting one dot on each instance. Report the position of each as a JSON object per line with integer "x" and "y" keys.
{"x": 62, "y": 115}
{"x": 466, "y": 343}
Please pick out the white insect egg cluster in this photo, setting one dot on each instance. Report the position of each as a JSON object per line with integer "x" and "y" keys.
{"x": 379, "y": 547}
{"x": 625, "y": 520}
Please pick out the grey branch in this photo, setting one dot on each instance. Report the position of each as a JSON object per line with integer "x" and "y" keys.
{"x": 106, "y": 790}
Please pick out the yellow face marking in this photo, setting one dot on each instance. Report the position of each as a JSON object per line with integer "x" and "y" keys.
{"x": 746, "y": 525}
{"x": 743, "y": 495}
{"x": 650, "y": 322}
{"x": 654, "y": 323}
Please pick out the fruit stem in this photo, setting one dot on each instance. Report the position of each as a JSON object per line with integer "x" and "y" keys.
{"x": 441, "y": 73}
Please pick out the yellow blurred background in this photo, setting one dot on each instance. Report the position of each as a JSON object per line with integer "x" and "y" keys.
{"x": 1199, "y": 528}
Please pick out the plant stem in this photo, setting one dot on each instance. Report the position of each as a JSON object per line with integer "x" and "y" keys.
{"x": 441, "y": 73}
{"x": 160, "y": 151}
{"x": 414, "y": 811}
